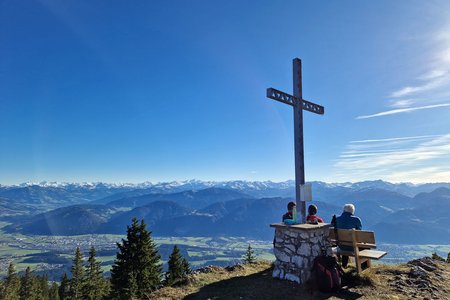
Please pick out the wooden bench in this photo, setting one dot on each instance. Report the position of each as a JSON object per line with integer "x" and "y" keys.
{"x": 362, "y": 243}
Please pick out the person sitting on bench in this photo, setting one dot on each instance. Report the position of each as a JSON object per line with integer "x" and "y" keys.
{"x": 348, "y": 221}
{"x": 290, "y": 214}
{"x": 312, "y": 218}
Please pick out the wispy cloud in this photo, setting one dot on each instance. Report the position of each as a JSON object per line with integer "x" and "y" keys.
{"x": 401, "y": 103}
{"x": 432, "y": 174}
{"x": 417, "y": 137}
{"x": 431, "y": 84}
{"x": 428, "y": 85}
{"x": 433, "y": 74}
{"x": 415, "y": 159}
{"x": 402, "y": 110}
{"x": 438, "y": 75}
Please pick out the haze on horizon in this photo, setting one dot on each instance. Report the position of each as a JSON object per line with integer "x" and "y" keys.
{"x": 114, "y": 92}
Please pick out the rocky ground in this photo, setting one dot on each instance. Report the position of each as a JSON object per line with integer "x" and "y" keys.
{"x": 418, "y": 279}
{"x": 423, "y": 278}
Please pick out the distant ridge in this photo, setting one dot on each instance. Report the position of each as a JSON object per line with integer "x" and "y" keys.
{"x": 237, "y": 209}
{"x": 266, "y": 187}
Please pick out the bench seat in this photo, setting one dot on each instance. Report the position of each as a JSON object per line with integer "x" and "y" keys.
{"x": 362, "y": 242}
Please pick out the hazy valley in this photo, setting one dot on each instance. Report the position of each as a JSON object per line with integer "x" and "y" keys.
{"x": 212, "y": 222}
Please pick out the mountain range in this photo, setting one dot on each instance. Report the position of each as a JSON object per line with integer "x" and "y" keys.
{"x": 399, "y": 213}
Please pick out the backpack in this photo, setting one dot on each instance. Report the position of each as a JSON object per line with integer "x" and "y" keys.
{"x": 327, "y": 273}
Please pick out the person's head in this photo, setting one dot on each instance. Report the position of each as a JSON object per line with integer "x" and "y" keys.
{"x": 291, "y": 205}
{"x": 312, "y": 210}
{"x": 350, "y": 208}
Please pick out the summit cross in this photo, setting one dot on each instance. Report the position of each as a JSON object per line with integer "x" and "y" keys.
{"x": 299, "y": 105}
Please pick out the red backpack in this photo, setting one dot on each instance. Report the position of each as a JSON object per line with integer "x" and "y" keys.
{"x": 328, "y": 273}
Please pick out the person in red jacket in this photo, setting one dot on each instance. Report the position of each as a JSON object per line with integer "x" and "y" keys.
{"x": 312, "y": 218}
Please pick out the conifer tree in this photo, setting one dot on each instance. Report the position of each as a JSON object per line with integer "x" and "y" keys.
{"x": 186, "y": 267}
{"x": 64, "y": 288}
{"x": 11, "y": 286}
{"x": 178, "y": 267}
{"x": 106, "y": 287}
{"x": 26, "y": 286}
{"x": 94, "y": 287}
{"x": 76, "y": 282}
{"x": 54, "y": 292}
{"x": 137, "y": 269}
{"x": 249, "y": 256}
{"x": 41, "y": 285}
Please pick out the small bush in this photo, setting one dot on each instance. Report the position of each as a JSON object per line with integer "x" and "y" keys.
{"x": 435, "y": 256}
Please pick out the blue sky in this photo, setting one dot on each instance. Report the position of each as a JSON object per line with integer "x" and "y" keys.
{"x": 120, "y": 91}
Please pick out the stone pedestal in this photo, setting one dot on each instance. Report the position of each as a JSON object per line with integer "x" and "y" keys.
{"x": 295, "y": 248}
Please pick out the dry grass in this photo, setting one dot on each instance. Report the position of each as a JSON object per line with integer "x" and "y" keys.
{"x": 255, "y": 281}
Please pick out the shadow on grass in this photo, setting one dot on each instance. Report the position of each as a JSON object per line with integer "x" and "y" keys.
{"x": 262, "y": 286}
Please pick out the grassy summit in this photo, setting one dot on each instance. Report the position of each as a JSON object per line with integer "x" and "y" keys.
{"x": 418, "y": 279}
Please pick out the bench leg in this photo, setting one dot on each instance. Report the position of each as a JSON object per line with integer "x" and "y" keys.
{"x": 358, "y": 264}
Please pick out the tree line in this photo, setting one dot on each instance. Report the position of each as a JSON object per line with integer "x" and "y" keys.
{"x": 136, "y": 273}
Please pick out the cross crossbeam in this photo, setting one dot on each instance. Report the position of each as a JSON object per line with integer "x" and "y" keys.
{"x": 299, "y": 104}
{"x": 291, "y": 100}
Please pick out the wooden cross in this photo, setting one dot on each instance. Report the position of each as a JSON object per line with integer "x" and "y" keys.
{"x": 299, "y": 105}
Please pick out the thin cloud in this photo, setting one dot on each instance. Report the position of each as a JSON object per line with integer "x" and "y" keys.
{"x": 439, "y": 73}
{"x": 408, "y": 90}
{"x": 433, "y": 74}
{"x": 398, "y": 138}
{"x": 402, "y": 110}
{"x": 420, "y": 158}
{"x": 433, "y": 83}
{"x": 433, "y": 174}
{"x": 402, "y": 103}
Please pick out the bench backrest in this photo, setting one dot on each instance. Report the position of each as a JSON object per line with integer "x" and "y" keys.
{"x": 352, "y": 237}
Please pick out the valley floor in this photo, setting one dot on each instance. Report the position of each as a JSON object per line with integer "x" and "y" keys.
{"x": 53, "y": 255}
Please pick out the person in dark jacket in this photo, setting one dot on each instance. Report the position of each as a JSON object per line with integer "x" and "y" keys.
{"x": 348, "y": 221}
{"x": 290, "y": 214}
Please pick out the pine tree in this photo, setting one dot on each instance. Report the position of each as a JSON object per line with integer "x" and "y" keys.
{"x": 64, "y": 288}
{"x": 76, "y": 282}
{"x": 106, "y": 287}
{"x": 11, "y": 287}
{"x": 94, "y": 287}
{"x": 1, "y": 289}
{"x": 26, "y": 285}
{"x": 186, "y": 267}
{"x": 249, "y": 256}
{"x": 137, "y": 269}
{"x": 178, "y": 267}
{"x": 54, "y": 292}
{"x": 41, "y": 287}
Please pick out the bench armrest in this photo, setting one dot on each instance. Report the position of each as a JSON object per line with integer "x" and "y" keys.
{"x": 372, "y": 254}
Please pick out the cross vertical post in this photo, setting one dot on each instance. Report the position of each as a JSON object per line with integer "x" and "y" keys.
{"x": 299, "y": 104}
{"x": 298, "y": 138}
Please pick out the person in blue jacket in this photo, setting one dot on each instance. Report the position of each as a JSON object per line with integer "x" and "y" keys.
{"x": 348, "y": 221}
